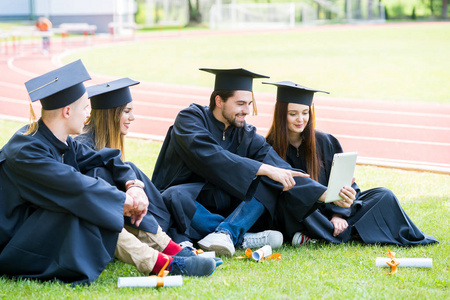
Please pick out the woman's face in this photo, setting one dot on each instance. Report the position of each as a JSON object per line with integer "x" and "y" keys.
{"x": 297, "y": 117}
{"x": 126, "y": 118}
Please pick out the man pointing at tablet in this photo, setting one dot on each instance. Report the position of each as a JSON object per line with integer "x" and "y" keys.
{"x": 224, "y": 174}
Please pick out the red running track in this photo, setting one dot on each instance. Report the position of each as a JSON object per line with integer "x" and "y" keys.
{"x": 393, "y": 134}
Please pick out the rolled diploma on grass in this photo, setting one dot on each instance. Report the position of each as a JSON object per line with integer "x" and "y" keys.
{"x": 262, "y": 252}
{"x": 406, "y": 262}
{"x": 150, "y": 281}
{"x": 210, "y": 254}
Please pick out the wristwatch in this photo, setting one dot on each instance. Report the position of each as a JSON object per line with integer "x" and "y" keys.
{"x": 135, "y": 182}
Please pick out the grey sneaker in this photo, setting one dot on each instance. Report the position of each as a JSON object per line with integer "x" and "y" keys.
{"x": 300, "y": 239}
{"x": 192, "y": 266}
{"x": 219, "y": 242}
{"x": 260, "y": 239}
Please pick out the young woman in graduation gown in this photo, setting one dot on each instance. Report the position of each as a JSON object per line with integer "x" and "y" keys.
{"x": 376, "y": 215}
{"x": 111, "y": 116}
{"x": 107, "y": 126}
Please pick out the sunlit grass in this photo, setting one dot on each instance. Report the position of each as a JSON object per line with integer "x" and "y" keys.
{"x": 394, "y": 62}
{"x": 313, "y": 271}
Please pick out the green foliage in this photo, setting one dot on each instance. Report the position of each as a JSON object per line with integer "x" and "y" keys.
{"x": 139, "y": 18}
{"x": 411, "y": 9}
{"x": 317, "y": 270}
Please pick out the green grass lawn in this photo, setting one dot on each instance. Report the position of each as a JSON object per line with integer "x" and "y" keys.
{"x": 395, "y": 62}
{"x": 313, "y": 271}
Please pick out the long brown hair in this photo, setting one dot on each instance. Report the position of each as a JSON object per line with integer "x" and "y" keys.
{"x": 104, "y": 124}
{"x": 279, "y": 133}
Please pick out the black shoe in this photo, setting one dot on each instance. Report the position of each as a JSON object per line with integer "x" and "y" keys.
{"x": 192, "y": 266}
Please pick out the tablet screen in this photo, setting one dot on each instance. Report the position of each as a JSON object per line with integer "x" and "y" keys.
{"x": 342, "y": 170}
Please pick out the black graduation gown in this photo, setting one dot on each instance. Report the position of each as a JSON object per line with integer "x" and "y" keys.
{"x": 158, "y": 213}
{"x": 376, "y": 215}
{"x": 55, "y": 222}
{"x": 201, "y": 161}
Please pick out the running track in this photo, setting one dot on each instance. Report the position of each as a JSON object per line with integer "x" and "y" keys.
{"x": 402, "y": 135}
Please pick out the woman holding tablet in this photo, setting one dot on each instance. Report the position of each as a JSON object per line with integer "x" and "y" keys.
{"x": 374, "y": 217}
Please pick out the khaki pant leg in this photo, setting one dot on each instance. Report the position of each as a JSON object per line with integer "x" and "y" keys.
{"x": 134, "y": 252}
{"x": 158, "y": 240}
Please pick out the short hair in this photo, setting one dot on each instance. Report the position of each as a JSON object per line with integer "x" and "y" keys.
{"x": 224, "y": 94}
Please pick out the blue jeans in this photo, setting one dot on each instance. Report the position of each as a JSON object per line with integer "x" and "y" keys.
{"x": 235, "y": 225}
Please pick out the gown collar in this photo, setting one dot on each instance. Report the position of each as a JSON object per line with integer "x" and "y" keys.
{"x": 48, "y": 134}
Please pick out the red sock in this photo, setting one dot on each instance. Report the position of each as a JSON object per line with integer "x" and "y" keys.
{"x": 160, "y": 262}
{"x": 172, "y": 249}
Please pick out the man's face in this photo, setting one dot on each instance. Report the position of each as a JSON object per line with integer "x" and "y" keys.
{"x": 236, "y": 108}
{"x": 80, "y": 111}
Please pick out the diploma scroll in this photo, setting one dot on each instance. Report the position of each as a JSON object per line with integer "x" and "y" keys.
{"x": 210, "y": 254}
{"x": 150, "y": 281}
{"x": 262, "y": 252}
{"x": 406, "y": 262}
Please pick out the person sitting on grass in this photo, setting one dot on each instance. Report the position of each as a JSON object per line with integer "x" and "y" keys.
{"x": 215, "y": 163}
{"x": 56, "y": 223}
{"x": 374, "y": 217}
{"x": 109, "y": 122}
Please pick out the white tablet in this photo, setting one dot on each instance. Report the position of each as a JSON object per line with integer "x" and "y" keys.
{"x": 342, "y": 170}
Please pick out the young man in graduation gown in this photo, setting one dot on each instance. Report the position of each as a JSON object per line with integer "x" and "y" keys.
{"x": 221, "y": 177}
{"x": 56, "y": 222}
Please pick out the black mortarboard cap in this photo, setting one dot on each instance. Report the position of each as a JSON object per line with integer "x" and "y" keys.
{"x": 59, "y": 87}
{"x": 233, "y": 79}
{"x": 111, "y": 94}
{"x": 291, "y": 92}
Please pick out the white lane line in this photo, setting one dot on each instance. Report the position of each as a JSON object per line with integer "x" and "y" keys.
{"x": 271, "y": 103}
{"x": 161, "y": 105}
{"x": 167, "y": 94}
{"x": 384, "y": 124}
{"x": 13, "y": 85}
{"x": 12, "y": 118}
{"x": 18, "y": 70}
{"x": 391, "y": 140}
{"x": 393, "y": 160}
{"x": 384, "y": 112}
{"x": 410, "y": 165}
{"x": 264, "y": 129}
{"x": 155, "y": 118}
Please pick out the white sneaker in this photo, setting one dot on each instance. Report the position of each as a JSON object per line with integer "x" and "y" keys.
{"x": 260, "y": 239}
{"x": 300, "y": 239}
{"x": 219, "y": 242}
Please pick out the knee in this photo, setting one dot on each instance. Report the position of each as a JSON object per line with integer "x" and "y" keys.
{"x": 386, "y": 195}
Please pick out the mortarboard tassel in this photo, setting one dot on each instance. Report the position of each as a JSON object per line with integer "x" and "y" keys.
{"x": 313, "y": 116}
{"x": 33, "y": 127}
{"x": 255, "y": 110}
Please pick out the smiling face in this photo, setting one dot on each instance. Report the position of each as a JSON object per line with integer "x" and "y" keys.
{"x": 297, "y": 117}
{"x": 233, "y": 111}
{"x": 126, "y": 118}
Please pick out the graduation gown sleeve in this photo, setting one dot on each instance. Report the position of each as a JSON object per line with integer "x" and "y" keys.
{"x": 55, "y": 222}
{"x": 56, "y": 186}
{"x": 202, "y": 154}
